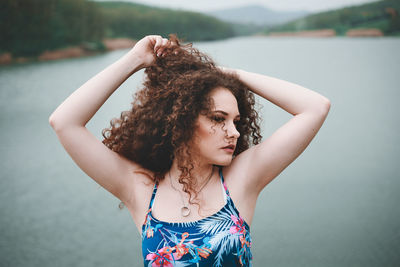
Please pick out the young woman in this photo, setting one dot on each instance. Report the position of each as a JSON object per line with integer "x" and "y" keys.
{"x": 187, "y": 160}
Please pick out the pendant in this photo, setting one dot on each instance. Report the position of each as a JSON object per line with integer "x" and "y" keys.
{"x": 185, "y": 211}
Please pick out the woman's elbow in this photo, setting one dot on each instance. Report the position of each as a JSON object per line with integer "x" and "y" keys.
{"x": 320, "y": 107}
{"x": 325, "y": 105}
{"x": 54, "y": 122}
{"x": 51, "y": 120}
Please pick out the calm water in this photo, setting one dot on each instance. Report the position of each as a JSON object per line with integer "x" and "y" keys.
{"x": 336, "y": 205}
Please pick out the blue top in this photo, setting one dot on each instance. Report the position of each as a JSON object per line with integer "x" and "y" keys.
{"x": 222, "y": 239}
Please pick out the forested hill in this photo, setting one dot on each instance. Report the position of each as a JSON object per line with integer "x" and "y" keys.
{"x": 30, "y": 27}
{"x": 125, "y": 19}
{"x": 382, "y": 15}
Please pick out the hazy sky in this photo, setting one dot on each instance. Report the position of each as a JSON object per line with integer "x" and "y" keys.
{"x": 210, "y": 5}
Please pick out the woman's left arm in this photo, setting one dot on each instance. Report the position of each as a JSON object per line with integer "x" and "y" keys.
{"x": 268, "y": 159}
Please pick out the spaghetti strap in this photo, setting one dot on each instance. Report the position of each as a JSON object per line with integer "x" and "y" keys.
{"x": 153, "y": 196}
{"x": 223, "y": 182}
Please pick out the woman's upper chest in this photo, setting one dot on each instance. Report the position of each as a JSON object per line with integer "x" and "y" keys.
{"x": 168, "y": 202}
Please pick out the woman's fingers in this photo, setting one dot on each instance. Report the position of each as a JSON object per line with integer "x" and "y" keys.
{"x": 150, "y": 47}
{"x": 161, "y": 49}
{"x": 160, "y": 45}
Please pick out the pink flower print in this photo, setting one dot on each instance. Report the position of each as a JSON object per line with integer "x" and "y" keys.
{"x": 234, "y": 229}
{"x": 181, "y": 248}
{"x": 240, "y": 230}
{"x": 163, "y": 257}
{"x": 238, "y": 227}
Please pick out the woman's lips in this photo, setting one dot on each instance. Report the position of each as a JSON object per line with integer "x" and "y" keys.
{"x": 229, "y": 149}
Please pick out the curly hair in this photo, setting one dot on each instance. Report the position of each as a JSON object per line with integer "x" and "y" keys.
{"x": 161, "y": 123}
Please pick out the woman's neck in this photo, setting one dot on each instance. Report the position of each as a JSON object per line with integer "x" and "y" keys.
{"x": 201, "y": 174}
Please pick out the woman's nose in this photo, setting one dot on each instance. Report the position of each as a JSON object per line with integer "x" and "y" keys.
{"x": 232, "y": 131}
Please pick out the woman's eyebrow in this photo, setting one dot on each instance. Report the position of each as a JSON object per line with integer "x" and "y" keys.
{"x": 225, "y": 113}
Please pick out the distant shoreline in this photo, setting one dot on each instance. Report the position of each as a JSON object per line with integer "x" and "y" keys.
{"x": 126, "y": 43}
{"x": 70, "y": 52}
{"x": 370, "y": 32}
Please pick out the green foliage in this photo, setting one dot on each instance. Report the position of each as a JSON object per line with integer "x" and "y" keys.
{"x": 135, "y": 21}
{"x": 30, "y": 27}
{"x": 383, "y": 15}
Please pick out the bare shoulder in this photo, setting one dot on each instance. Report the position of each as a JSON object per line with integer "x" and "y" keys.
{"x": 236, "y": 180}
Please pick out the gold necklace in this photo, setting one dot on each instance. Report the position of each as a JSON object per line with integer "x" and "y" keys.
{"x": 185, "y": 211}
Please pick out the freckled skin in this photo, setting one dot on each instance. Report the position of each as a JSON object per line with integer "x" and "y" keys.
{"x": 215, "y": 132}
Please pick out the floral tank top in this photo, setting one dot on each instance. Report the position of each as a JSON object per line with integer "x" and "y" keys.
{"x": 222, "y": 239}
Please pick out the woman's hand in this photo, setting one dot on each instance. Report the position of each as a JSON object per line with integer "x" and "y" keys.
{"x": 149, "y": 47}
{"x": 227, "y": 70}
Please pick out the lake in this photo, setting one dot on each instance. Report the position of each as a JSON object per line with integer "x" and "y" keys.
{"x": 336, "y": 205}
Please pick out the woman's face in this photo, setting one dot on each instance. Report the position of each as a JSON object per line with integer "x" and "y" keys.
{"x": 215, "y": 135}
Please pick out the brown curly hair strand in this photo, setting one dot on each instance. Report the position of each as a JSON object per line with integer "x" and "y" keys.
{"x": 161, "y": 123}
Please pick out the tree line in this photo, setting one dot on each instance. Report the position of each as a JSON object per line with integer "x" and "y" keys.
{"x": 29, "y": 27}
{"x": 134, "y": 20}
{"x": 383, "y": 15}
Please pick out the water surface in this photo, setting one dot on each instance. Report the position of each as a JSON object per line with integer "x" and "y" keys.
{"x": 336, "y": 205}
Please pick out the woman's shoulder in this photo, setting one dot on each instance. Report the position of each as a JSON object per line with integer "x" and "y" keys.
{"x": 243, "y": 197}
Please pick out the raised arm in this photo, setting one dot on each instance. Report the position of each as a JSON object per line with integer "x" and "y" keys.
{"x": 262, "y": 163}
{"x": 107, "y": 168}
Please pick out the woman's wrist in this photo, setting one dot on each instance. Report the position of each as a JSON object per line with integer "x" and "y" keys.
{"x": 132, "y": 61}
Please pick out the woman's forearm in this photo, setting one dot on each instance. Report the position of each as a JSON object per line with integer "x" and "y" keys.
{"x": 83, "y": 103}
{"x": 291, "y": 97}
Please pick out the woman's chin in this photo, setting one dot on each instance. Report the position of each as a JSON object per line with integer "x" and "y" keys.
{"x": 223, "y": 161}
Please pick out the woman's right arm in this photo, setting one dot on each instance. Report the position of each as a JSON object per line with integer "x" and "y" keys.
{"x": 106, "y": 167}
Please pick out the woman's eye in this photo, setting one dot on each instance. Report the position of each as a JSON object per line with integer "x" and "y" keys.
{"x": 218, "y": 119}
